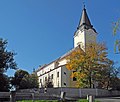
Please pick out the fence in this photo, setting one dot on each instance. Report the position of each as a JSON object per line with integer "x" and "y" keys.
{"x": 15, "y": 96}
{"x": 4, "y": 96}
{"x": 55, "y": 93}
{"x": 76, "y": 92}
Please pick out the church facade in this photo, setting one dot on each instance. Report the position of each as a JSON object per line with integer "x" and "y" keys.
{"x": 56, "y": 71}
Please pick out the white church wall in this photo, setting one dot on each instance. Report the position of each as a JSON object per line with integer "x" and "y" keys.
{"x": 79, "y": 39}
{"x": 64, "y": 79}
{"x": 46, "y": 69}
{"x": 56, "y": 78}
{"x": 49, "y": 67}
{"x": 51, "y": 72}
{"x": 43, "y": 73}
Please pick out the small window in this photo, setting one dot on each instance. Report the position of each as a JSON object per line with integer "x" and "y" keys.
{"x": 57, "y": 74}
{"x": 74, "y": 78}
{"x": 40, "y": 80}
{"x": 65, "y": 84}
{"x": 45, "y": 78}
{"x": 52, "y": 76}
{"x": 65, "y": 73}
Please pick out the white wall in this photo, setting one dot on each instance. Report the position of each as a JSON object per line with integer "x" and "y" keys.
{"x": 82, "y": 37}
{"x": 79, "y": 38}
{"x": 48, "y": 71}
{"x": 56, "y": 80}
{"x": 43, "y": 71}
{"x": 64, "y": 74}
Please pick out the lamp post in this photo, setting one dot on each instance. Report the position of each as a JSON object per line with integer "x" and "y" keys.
{"x": 13, "y": 94}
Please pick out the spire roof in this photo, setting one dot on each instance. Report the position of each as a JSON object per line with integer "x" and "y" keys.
{"x": 84, "y": 21}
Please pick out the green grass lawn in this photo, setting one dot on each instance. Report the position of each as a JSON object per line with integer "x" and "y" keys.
{"x": 84, "y": 100}
{"x": 81, "y": 100}
{"x": 38, "y": 101}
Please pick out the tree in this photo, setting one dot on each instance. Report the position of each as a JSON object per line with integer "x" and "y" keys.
{"x": 6, "y": 62}
{"x": 23, "y": 80}
{"x": 24, "y": 83}
{"x": 29, "y": 81}
{"x": 114, "y": 81}
{"x": 116, "y": 28}
{"x": 111, "y": 79}
{"x": 4, "y": 83}
{"x": 89, "y": 66}
{"x": 33, "y": 81}
{"x": 18, "y": 77}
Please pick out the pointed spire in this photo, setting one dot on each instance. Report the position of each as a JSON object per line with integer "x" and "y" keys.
{"x": 84, "y": 21}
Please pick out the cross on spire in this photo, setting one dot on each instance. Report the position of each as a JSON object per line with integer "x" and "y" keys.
{"x": 83, "y": 4}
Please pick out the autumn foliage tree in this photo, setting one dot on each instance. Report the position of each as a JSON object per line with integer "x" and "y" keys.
{"x": 116, "y": 29}
{"x": 90, "y": 66}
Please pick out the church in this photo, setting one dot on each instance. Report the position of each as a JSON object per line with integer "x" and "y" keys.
{"x": 56, "y": 71}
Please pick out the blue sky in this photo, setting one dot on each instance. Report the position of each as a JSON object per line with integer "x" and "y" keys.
{"x": 40, "y": 31}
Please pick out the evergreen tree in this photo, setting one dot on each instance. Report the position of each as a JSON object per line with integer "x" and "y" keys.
{"x": 6, "y": 62}
{"x": 23, "y": 80}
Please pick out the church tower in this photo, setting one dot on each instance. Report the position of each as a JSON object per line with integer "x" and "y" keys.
{"x": 85, "y": 32}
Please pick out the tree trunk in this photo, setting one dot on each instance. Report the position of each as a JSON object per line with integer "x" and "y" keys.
{"x": 90, "y": 81}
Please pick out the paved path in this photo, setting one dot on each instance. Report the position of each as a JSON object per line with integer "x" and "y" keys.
{"x": 109, "y": 99}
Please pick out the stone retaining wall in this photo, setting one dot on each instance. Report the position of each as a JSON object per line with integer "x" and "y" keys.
{"x": 55, "y": 93}
{"x": 76, "y": 92}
